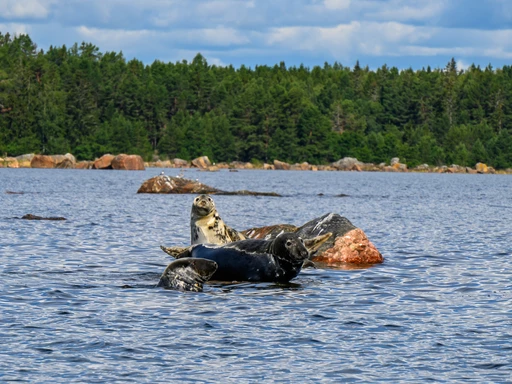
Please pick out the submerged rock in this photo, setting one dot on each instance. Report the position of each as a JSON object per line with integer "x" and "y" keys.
{"x": 34, "y": 217}
{"x": 180, "y": 185}
{"x": 348, "y": 244}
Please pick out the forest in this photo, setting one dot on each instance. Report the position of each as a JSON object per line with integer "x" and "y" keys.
{"x": 87, "y": 102}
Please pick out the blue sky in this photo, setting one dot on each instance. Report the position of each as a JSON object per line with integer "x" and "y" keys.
{"x": 401, "y": 33}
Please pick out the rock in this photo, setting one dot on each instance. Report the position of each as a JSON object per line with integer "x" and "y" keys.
{"x": 399, "y": 167}
{"x": 34, "y": 217}
{"x": 268, "y": 166}
{"x": 180, "y": 185}
{"x": 481, "y": 168}
{"x": 104, "y": 162}
{"x": 10, "y": 162}
{"x": 66, "y": 161}
{"x": 422, "y": 168}
{"x": 24, "y": 160}
{"x": 128, "y": 163}
{"x": 348, "y": 244}
{"x": 161, "y": 164}
{"x": 394, "y": 160}
{"x": 301, "y": 167}
{"x": 180, "y": 163}
{"x": 237, "y": 165}
{"x": 353, "y": 247}
{"x": 84, "y": 165}
{"x": 281, "y": 165}
{"x": 201, "y": 162}
{"x": 42, "y": 161}
{"x": 348, "y": 164}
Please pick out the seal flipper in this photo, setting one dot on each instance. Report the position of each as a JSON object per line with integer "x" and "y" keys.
{"x": 176, "y": 252}
{"x": 316, "y": 242}
{"x": 234, "y": 235}
{"x": 187, "y": 274}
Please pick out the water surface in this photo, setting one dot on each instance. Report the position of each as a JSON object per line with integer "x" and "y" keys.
{"x": 79, "y": 302}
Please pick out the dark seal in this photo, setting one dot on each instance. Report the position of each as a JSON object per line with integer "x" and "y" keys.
{"x": 187, "y": 274}
{"x": 278, "y": 260}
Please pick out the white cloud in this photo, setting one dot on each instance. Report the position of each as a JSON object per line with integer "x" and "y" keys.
{"x": 14, "y": 28}
{"x": 405, "y": 10}
{"x": 337, "y": 4}
{"x": 19, "y": 9}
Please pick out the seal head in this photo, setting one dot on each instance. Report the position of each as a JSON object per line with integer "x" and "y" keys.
{"x": 206, "y": 225}
{"x": 187, "y": 274}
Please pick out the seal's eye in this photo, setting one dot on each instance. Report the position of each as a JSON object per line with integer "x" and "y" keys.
{"x": 209, "y": 199}
{"x": 288, "y": 243}
{"x": 302, "y": 241}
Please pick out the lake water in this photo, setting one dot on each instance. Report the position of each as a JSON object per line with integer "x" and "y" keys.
{"x": 78, "y": 299}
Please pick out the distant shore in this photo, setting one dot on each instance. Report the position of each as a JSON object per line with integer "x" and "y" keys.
{"x": 203, "y": 163}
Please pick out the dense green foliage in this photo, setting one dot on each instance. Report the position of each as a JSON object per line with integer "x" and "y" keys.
{"x": 82, "y": 101}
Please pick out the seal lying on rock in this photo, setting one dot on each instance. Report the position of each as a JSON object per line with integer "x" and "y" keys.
{"x": 206, "y": 225}
{"x": 187, "y": 274}
{"x": 278, "y": 260}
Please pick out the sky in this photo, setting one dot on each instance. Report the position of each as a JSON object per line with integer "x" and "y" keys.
{"x": 401, "y": 33}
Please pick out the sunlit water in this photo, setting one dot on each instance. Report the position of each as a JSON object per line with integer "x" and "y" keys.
{"x": 78, "y": 299}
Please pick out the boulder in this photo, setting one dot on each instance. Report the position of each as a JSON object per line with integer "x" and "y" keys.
{"x": 180, "y": 185}
{"x": 161, "y": 164}
{"x": 104, "y": 162}
{"x": 24, "y": 160}
{"x": 42, "y": 161}
{"x": 201, "y": 162}
{"x": 10, "y": 162}
{"x": 180, "y": 163}
{"x": 301, "y": 167}
{"x": 481, "y": 168}
{"x": 348, "y": 164}
{"x": 128, "y": 163}
{"x": 394, "y": 160}
{"x": 281, "y": 165}
{"x": 66, "y": 161}
{"x": 399, "y": 167}
{"x": 347, "y": 245}
{"x": 84, "y": 164}
{"x": 268, "y": 166}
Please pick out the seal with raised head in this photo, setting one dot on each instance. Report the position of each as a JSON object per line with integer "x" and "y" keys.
{"x": 187, "y": 274}
{"x": 206, "y": 225}
{"x": 278, "y": 260}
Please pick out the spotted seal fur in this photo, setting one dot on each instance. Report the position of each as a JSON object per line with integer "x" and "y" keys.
{"x": 278, "y": 260}
{"x": 187, "y": 274}
{"x": 206, "y": 225}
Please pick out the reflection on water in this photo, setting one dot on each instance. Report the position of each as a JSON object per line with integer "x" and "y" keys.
{"x": 79, "y": 301}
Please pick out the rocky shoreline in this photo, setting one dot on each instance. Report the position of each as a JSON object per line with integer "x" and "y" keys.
{"x": 203, "y": 163}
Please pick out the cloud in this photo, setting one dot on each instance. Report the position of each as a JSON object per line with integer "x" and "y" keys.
{"x": 337, "y": 4}
{"x": 25, "y": 9}
{"x": 14, "y": 28}
{"x": 267, "y": 32}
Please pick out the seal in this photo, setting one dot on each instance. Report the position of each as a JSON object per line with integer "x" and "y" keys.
{"x": 206, "y": 225}
{"x": 278, "y": 260}
{"x": 187, "y": 274}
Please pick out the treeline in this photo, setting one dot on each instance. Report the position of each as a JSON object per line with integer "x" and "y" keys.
{"x": 88, "y": 103}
